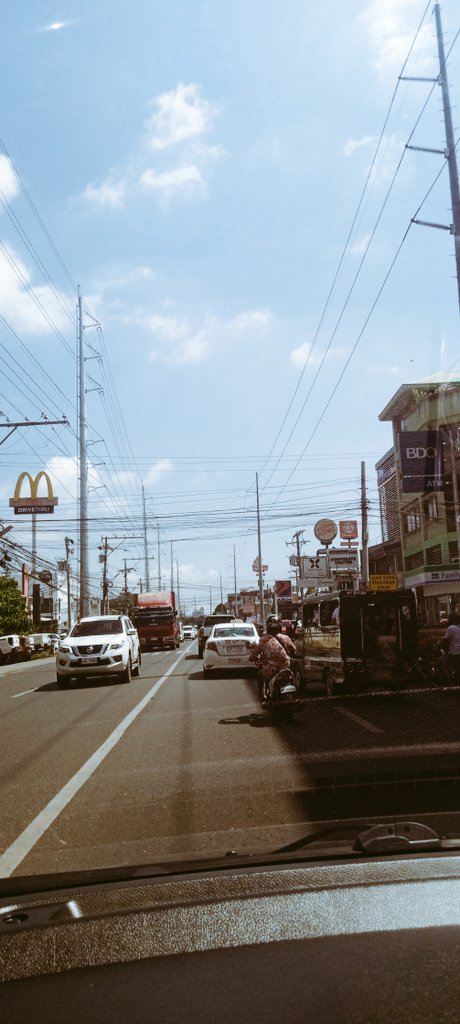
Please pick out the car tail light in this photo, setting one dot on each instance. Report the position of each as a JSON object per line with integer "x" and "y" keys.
{"x": 211, "y": 646}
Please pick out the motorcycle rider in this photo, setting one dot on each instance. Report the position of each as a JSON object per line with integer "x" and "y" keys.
{"x": 450, "y": 646}
{"x": 273, "y": 650}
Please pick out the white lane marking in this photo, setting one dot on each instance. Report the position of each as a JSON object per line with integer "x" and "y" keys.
{"x": 21, "y": 846}
{"x": 24, "y": 692}
{"x": 361, "y": 721}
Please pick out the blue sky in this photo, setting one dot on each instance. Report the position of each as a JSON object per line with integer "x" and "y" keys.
{"x": 197, "y": 166}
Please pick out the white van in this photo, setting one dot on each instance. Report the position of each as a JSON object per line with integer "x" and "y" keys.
{"x": 9, "y": 643}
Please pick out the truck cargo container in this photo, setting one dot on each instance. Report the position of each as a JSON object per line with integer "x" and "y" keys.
{"x": 156, "y": 620}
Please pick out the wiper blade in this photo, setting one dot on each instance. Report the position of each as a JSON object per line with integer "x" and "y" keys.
{"x": 398, "y": 837}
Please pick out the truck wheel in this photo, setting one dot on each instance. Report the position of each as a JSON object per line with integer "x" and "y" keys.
{"x": 136, "y": 670}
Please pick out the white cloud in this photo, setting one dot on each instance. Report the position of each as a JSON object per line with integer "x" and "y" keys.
{"x": 109, "y": 193}
{"x": 258, "y": 318}
{"x": 54, "y": 26}
{"x": 180, "y": 115}
{"x": 360, "y": 246}
{"x": 352, "y": 145}
{"x": 389, "y": 155}
{"x": 299, "y": 355}
{"x": 180, "y": 118}
{"x": 190, "y": 574}
{"x": 17, "y": 297}
{"x": 9, "y": 185}
{"x": 384, "y": 370}
{"x": 182, "y": 342}
{"x": 167, "y": 183}
{"x": 391, "y": 25}
{"x": 157, "y": 471}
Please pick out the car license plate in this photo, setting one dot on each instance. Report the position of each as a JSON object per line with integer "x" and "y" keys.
{"x": 89, "y": 661}
{"x": 234, "y": 661}
{"x": 234, "y": 648}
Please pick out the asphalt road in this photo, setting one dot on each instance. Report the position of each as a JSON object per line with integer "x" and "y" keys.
{"x": 106, "y": 774}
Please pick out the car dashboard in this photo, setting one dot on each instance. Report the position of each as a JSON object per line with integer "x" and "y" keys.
{"x": 360, "y": 940}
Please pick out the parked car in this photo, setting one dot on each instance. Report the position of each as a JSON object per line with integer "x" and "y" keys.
{"x": 99, "y": 646}
{"x": 40, "y": 641}
{"x": 181, "y": 632}
{"x": 9, "y": 647}
{"x": 205, "y": 630}
{"x": 229, "y": 646}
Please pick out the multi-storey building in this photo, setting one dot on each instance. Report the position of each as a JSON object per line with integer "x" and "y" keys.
{"x": 421, "y": 528}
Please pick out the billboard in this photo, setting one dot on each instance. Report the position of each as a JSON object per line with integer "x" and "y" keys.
{"x": 421, "y": 456}
{"x": 339, "y": 559}
{"x": 283, "y": 591}
{"x": 34, "y": 504}
{"x": 348, "y": 529}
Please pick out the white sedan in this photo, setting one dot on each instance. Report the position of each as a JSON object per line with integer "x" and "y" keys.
{"x": 229, "y": 646}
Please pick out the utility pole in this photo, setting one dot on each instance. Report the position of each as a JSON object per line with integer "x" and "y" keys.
{"x": 297, "y": 541}
{"x": 126, "y": 570}
{"x": 103, "y": 558}
{"x": 221, "y": 594}
{"x": 178, "y": 588}
{"x": 450, "y": 144}
{"x": 172, "y": 567}
{"x": 261, "y": 574}
{"x": 364, "y": 530}
{"x": 146, "y": 544}
{"x": 234, "y": 581}
{"x": 159, "y": 562}
{"x": 449, "y": 152}
{"x": 68, "y": 552}
{"x": 83, "y": 464}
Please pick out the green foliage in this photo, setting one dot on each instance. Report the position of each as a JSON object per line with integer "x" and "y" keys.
{"x": 13, "y": 617}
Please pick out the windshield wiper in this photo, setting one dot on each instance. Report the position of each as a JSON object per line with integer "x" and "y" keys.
{"x": 398, "y": 837}
{"x": 389, "y": 837}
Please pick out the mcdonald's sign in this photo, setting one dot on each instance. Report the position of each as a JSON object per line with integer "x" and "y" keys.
{"x": 24, "y": 506}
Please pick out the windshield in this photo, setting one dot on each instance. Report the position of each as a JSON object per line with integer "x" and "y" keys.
{"x": 220, "y": 631}
{"x": 97, "y": 628}
{"x": 232, "y": 230}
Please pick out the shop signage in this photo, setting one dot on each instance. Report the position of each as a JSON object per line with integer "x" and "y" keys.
{"x": 313, "y": 568}
{"x": 421, "y": 455}
{"x": 348, "y": 529}
{"x": 283, "y": 591}
{"x": 347, "y": 559}
{"x": 34, "y": 504}
{"x": 383, "y": 581}
{"x": 325, "y": 530}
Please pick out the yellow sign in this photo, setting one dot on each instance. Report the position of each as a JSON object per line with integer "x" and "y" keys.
{"x": 384, "y": 581}
{"x": 22, "y": 506}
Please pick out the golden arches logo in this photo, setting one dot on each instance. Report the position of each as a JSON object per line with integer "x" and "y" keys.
{"x": 34, "y": 503}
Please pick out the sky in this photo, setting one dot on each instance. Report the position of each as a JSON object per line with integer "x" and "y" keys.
{"x": 210, "y": 175}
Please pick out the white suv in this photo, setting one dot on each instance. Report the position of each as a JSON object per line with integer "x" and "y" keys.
{"x": 99, "y": 646}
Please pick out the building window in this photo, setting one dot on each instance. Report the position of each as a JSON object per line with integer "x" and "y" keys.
{"x": 414, "y": 561}
{"x": 411, "y": 520}
{"x": 430, "y": 508}
{"x": 434, "y": 555}
{"x": 453, "y": 551}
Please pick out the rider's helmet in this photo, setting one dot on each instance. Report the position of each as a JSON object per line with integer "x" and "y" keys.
{"x": 273, "y": 625}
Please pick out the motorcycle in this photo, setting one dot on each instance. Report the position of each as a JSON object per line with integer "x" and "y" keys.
{"x": 279, "y": 694}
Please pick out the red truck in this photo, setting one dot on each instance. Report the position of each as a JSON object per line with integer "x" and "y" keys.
{"x": 156, "y": 619}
